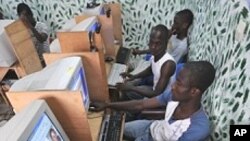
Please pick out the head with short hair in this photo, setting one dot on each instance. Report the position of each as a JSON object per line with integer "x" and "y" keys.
{"x": 22, "y": 7}
{"x": 159, "y": 37}
{"x": 186, "y": 16}
{"x": 182, "y": 21}
{"x": 192, "y": 80}
{"x": 24, "y": 12}
{"x": 201, "y": 74}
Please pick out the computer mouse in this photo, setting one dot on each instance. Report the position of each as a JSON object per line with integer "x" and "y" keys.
{"x": 109, "y": 59}
{"x": 92, "y": 108}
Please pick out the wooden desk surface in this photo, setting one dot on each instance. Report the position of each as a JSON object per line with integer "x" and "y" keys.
{"x": 95, "y": 122}
{"x": 108, "y": 68}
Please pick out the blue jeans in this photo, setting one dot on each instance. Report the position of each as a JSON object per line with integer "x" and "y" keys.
{"x": 138, "y": 130}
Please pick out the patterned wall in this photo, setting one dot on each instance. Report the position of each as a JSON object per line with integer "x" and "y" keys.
{"x": 213, "y": 37}
{"x": 52, "y": 12}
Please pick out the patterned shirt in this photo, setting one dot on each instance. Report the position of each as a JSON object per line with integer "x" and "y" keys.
{"x": 41, "y": 47}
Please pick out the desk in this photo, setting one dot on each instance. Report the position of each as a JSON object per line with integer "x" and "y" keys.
{"x": 3, "y": 72}
{"x": 108, "y": 67}
{"x": 95, "y": 126}
{"x": 16, "y": 67}
{"x": 95, "y": 119}
{"x": 95, "y": 122}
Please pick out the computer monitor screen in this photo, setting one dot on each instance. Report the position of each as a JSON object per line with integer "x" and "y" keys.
{"x": 45, "y": 130}
{"x": 34, "y": 123}
{"x": 85, "y": 25}
{"x": 84, "y": 89}
{"x": 96, "y": 27}
{"x": 79, "y": 83}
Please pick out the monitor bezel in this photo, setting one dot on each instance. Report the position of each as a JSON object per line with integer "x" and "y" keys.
{"x": 21, "y": 126}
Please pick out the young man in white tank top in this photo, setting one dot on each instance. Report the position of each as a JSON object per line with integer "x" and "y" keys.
{"x": 162, "y": 68}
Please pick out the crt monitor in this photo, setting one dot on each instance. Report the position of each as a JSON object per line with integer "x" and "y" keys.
{"x": 34, "y": 123}
{"x": 7, "y": 55}
{"x": 63, "y": 74}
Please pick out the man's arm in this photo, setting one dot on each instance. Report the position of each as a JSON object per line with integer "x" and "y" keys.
{"x": 144, "y": 73}
{"x": 133, "y": 106}
{"x": 167, "y": 70}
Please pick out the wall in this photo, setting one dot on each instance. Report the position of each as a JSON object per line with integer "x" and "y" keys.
{"x": 52, "y": 12}
{"x": 212, "y": 38}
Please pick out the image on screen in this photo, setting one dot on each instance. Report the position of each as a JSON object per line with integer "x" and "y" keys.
{"x": 45, "y": 130}
{"x": 79, "y": 82}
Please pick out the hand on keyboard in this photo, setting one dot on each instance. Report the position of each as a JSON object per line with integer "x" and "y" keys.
{"x": 127, "y": 76}
{"x": 97, "y": 106}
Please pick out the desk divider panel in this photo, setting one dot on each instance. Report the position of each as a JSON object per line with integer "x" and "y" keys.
{"x": 80, "y": 18}
{"x": 67, "y": 106}
{"x": 24, "y": 48}
{"x": 95, "y": 71}
{"x": 107, "y": 34}
{"x": 78, "y": 41}
{"x": 116, "y": 18}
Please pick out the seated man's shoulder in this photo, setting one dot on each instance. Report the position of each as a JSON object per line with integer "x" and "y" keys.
{"x": 200, "y": 117}
{"x": 169, "y": 65}
{"x": 199, "y": 129}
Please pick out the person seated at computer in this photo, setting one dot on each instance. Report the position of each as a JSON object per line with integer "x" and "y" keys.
{"x": 38, "y": 29}
{"x": 185, "y": 118}
{"x": 53, "y": 135}
{"x": 178, "y": 47}
{"x": 162, "y": 68}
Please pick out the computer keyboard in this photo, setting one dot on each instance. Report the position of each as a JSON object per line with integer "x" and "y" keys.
{"x": 111, "y": 127}
{"x": 114, "y": 75}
